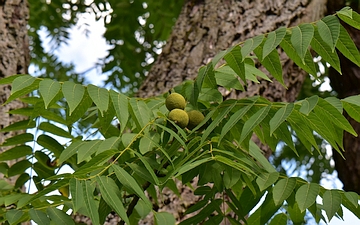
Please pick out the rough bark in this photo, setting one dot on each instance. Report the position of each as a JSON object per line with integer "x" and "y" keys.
{"x": 346, "y": 85}
{"x": 14, "y": 59}
{"x": 206, "y": 27}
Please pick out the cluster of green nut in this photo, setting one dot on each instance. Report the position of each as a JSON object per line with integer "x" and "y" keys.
{"x": 176, "y": 103}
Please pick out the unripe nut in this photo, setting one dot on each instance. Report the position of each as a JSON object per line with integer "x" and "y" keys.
{"x": 180, "y": 117}
{"x": 175, "y": 101}
{"x": 195, "y": 118}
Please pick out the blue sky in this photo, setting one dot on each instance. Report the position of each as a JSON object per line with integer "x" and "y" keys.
{"x": 85, "y": 51}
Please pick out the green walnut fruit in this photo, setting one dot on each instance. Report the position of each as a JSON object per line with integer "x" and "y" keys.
{"x": 180, "y": 117}
{"x": 175, "y": 101}
{"x": 195, "y": 118}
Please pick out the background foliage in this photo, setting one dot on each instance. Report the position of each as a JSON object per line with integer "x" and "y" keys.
{"x": 147, "y": 151}
{"x": 133, "y": 28}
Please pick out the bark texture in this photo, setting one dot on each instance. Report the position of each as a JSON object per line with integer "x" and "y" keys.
{"x": 206, "y": 27}
{"x": 14, "y": 59}
{"x": 346, "y": 85}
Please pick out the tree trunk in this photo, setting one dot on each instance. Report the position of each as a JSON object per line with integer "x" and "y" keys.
{"x": 346, "y": 85}
{"x": 206, "y": 27}
{"x": 14, "y": 59}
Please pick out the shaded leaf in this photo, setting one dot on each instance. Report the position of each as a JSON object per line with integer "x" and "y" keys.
{"x": 130, "y": 183}
{"x": 59, "y": 217}
{"x": 331, "y": 202}
{"x": 15, "y": 153}
{"x": 306, "y": 195}
{"x": 111, "y": 194}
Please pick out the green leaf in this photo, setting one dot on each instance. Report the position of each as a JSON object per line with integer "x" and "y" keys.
{"x": 329, "y": 30}
{"x": 347, "y": 47}
{"x": 140, "y": 112}
{"x": 54, "y": 129}
{"x": 18, "y": 139}
{"x": 309, "y": 104}
{"x": 353, "y": 20}
{"x": 280, "y": 116}
{"x": 90, "y": 204}
{"x": 272, "y": 41}
{"x": 73, "y": 94}
{"x": 111, "y": 194}
{"x": 10, "y": 79}
{"x": 235, "y": 61}
{"x": 218, "y": 119}
{"x": 250, "y": 45}
{"x": 256, "y": 152}
{"x": 308, "y": 66}
{"x": 272, "y": 63}
{"x": 21, "y": 180}
{"x": 87, "y": 149}
{"x": 50, "y": 144}
{"x": 303, "y": 132}
{"x": 265, "y": 180}
{"x": 203, "y": 72}
{"x": 300, "y": 38}
{"x": 80, "y": 111}
{"x": 253, "y": 121}
{"x": 325, "y": 51}
{"x": 279, "y": 219}
{"x": 39, "y": 217}
{"x": 13, "y": 216}
{"x": 164, "y": 218}
{"x": 235, "y": 118}
{"x": 15, "y": 153}
{"x": 331, "y": 202}
{"x": 48, "y": 90}
{"x": 19, "y": 167}
{"x": 306, "y": 195}
{"x": 21, "y": 83}
{"x": 77, "y": 195}
{"x": 251, "y": 71}
{"x": 148, "y": 167}
{"x": 100, "y": 96}
{"x": 59, "y": 217}
{"x": 130, "y": 183}
{"x": 353, "y": 197}
{"x": 120, "y": 103}
{"x": 227, "y": 78}
{"x": 70, "y": 151}
{"x": 109, "y": 143}
{"x": 296, "y": 215}
{"x": 334, "y": 116}
{"x": 283, "y": 189}
{"x": 20, "y": 125}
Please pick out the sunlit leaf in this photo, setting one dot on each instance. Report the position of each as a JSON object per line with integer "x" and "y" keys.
{"x": 48, "y": 90}
{"x": 73, "y": 94}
